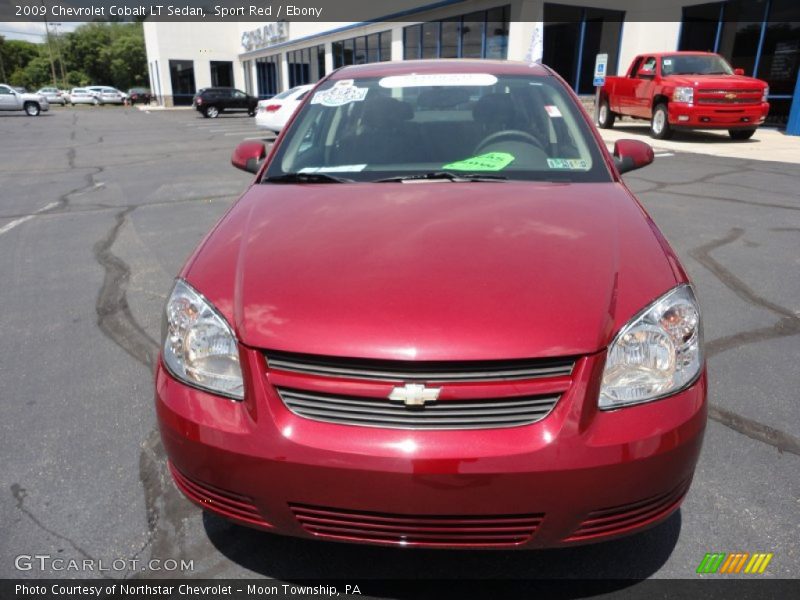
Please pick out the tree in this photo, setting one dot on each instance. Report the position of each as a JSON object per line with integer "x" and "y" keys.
{"x": 95, "y": 53}
{"x": 108, "y": 53}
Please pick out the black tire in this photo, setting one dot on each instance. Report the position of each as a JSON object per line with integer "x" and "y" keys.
{"x": 605, "y": 118}
{"x": 660, "y": 128}
{"x": 741, "y": 134}
{"x": 251, "y": 113}
{"x": 211, "y": 112}
{"x": 32, "y": 109}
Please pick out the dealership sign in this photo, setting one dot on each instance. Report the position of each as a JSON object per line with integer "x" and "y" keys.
{"x": 267, "y": 35}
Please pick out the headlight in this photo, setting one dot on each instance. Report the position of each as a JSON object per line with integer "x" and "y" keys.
{"x": 656, "y": 354}
{"x": 199, "y": 346}
{"x": 765, "y": 95}
{"x": 683, "y": 94}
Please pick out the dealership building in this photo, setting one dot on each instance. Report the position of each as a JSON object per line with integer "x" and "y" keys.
{"x": 760, "y": 36}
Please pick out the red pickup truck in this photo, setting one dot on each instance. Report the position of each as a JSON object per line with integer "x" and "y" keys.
{"x": 694, "y": 90}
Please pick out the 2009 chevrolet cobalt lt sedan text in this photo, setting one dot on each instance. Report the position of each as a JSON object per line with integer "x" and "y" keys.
{"x": 439, "y": 318}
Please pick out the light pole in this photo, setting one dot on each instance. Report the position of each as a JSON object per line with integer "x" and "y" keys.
{"x": 56, "y": 26}
{"x": 49, "y": 49}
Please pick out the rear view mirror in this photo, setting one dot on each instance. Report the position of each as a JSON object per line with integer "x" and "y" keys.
{"x": 738, "y": 71}
{"x": 632, "y": 154}
{"x": 248, "y": 156}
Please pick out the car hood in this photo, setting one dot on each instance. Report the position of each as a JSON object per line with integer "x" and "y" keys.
{"x": 435, "y": 270}
{"x": 732, "y": 82}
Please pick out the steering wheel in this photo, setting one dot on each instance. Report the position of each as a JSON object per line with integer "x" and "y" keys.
{"x": 509, "y": 133}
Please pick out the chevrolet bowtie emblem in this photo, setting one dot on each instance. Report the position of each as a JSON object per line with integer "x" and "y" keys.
{"x": 414, "y": 394}
{"x": 730, "y": 96}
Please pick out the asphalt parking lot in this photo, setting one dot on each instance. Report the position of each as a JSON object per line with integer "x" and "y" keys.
{"x": 100, "y": 207}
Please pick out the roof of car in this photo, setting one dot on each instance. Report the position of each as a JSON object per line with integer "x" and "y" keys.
{"x": 495, "y": 67}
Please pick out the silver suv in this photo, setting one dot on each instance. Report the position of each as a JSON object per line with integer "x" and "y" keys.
{"x": 32, "y": 104}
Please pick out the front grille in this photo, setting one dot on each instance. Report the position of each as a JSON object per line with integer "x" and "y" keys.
{"x": 466, "y": 414}
{"x": 417, "y": 530}
{"x": 728, "y": 101}
{"x": 420, "y": 371}
{"x": 619, "y": 519}
{"x": 736, "y": 96}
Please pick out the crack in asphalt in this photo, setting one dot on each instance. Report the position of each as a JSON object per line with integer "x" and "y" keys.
{"x": 165, "y": 509}
{"x": 114, "y": 315}
{"x": 787, "y": 325}
{"x": 20, "y": 494}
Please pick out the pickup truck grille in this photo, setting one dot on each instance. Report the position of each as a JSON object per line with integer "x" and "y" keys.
{"x": 722, "y": 96}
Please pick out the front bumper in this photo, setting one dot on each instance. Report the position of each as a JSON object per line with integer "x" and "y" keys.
{"x": 579, "y": 475}
{"x": 717, "y": 116}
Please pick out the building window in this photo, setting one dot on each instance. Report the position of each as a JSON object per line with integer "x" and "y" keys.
{"x": 268, "y": 75}
{"x": 221, "y": 73}
{"x": 181, "y": 74}
{"x": 481, "y": 34}
{"x": 362, "y": 49}
{"x": 574, "y": 36}
{"x": 305, "y": 65}
{"x": 763, "y": 38}
{"x": 700, "y": 27}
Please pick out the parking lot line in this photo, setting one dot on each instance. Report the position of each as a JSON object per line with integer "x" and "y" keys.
{"x": 9, "y": 226}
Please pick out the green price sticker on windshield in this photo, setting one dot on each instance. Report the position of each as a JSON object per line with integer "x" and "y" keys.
{"x": 493, "y": 161}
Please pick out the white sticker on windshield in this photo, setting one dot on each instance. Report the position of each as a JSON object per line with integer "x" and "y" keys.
{"x": 552, "y": 110}
{"x": 437, "y": 79}
{"x": 336, "y": 169}
{"x": 573, "y": 164}
{"x": 339, "y": 96}
{"x": 667, "y": 61}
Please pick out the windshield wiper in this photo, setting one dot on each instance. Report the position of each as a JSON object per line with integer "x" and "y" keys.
{"x": 306, "y": 178}
{"x": 459, "y": 177}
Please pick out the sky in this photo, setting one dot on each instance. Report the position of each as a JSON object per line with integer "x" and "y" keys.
{"x": 31, "y": 31}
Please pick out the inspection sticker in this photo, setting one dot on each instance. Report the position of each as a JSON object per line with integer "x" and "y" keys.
{"x": 340, "y": 95}
{"x": 573, "y": 164}
{"x": 552, "y": 110}
{"x": 437, "y": 79}
{"x": 492, "y": 161}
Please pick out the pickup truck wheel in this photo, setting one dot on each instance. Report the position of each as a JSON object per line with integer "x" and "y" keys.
{"x": 31, "y": 109}
{"x": 212, "y": 112}
{"x": 605, "y": 118}
{"x": 659, "y": 124}
{"x": 741, "y": 134}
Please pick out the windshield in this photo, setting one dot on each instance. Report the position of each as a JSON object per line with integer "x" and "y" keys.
{"x": 439, "y": 125}
{"x": 695, "y": 64}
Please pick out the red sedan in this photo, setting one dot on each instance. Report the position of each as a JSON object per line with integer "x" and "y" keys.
{"x": 437, "y": 317}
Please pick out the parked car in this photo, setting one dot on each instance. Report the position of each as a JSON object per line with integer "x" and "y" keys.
{"x": 273, "y": 114}
{"x": 453, "y": 327}
{"x": 139, "y": 95}
{"x": 53, "y": 95}
{"x": 12, "y": 99}
{"x": 81, "y": 96}
{"x": 213, "y": 101}
{"x": 687, "y": 90}
{"x": 103, "y": 94}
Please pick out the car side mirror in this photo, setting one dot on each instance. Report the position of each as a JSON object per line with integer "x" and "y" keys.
{"x": 646, "y": 73}
{"x": 248, "y": 156}
{"x": 632, "y": 154}
{"x": 738, "y": 71}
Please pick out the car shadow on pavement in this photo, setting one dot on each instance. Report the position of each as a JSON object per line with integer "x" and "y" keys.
{"x": 610, "y": 565}
{"x": 684, "y": 135}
